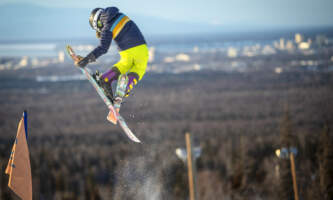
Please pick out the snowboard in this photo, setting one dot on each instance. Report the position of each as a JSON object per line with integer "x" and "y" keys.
{"x": 112, "y": 103}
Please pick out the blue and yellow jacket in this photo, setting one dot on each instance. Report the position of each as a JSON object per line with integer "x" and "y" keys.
{"x": 121, "y": 29}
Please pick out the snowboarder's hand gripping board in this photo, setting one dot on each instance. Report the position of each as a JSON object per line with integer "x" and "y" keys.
{"x": 113, "y": 115}
{"x": 80, "y": 61}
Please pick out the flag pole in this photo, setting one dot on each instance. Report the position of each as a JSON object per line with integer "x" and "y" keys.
{"x": 190, "y": 166}
{"x": 25, "y": 117}
{"x": 293, "y": 172}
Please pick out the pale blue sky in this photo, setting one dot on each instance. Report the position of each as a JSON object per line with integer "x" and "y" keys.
{"x": 219, "y": 12}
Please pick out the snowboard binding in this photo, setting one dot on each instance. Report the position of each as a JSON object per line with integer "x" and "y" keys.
{"x": 104, "y": 85}
{"x": 117, "y": 98}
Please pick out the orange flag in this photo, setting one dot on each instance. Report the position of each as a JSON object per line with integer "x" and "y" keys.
{"x": 18, "y": 167}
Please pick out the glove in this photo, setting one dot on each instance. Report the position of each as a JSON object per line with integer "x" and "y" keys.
{"x": 111, "y": 75}
{"x": 132, "y": 80}
{"x": 82, "y": 62}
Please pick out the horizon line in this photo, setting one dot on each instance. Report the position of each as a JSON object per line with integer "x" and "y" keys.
{"x": 239, "y": 32}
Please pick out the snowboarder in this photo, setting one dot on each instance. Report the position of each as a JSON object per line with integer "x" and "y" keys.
{"x": 110, "y": 24}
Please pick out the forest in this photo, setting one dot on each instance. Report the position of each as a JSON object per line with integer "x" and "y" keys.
{"x": 238, "y": 119}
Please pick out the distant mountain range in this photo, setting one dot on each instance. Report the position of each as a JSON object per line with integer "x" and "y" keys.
{"x": 27, "y": 21}
{"x": 23, "y": 21}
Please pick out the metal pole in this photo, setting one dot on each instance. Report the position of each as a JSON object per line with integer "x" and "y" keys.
{"x": 190, "y": 166}
{"x": 293, "y": 172}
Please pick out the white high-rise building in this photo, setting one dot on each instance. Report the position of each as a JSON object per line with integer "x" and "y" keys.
{"x": 232, "y": 52}
{"x": 298, "y": 38}
{"x": 23, "y": 62}
{"x": 282, "y": 46}
{"x": 61, "y": 56}
{"x": 151, "y": 54}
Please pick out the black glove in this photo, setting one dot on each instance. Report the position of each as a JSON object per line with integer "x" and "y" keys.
{"x": 86, "y": 60}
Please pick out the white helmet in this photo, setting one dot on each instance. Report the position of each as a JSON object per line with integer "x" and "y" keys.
{"x": 94, "y": 19}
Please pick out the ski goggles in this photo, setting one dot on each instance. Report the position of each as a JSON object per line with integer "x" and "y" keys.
{"x": 95, "y": 20}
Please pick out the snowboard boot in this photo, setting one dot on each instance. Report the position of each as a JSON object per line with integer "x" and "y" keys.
{"x": 120, "y": 91}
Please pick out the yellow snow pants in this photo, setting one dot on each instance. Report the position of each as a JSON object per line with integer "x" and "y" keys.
{"x": 134, "y": 59}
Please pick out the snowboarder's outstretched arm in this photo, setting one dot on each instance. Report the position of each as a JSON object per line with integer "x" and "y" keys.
{"x": 105, "y": 42}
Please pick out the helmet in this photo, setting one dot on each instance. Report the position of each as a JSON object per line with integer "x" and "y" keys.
{"x": 94, "y": 19}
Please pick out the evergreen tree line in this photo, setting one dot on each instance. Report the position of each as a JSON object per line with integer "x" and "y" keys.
{"x": 238, "y": 166}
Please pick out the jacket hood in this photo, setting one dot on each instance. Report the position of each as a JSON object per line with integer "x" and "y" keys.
{"x": 109, "y": 13}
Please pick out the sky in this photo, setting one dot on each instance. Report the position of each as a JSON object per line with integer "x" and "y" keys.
{"x": 215, "y": 12}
